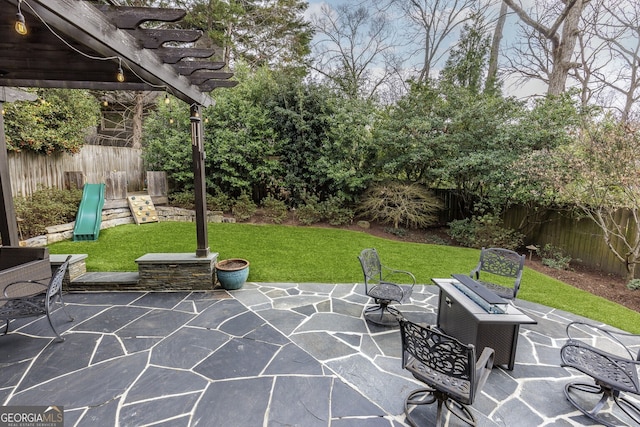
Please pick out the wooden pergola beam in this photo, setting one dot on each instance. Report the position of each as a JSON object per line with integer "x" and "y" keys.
{"x": 78, "y": 20}
{"x": 74, "y": 44}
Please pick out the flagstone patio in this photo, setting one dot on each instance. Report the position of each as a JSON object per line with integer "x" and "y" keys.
{"x": 269, "y": 354}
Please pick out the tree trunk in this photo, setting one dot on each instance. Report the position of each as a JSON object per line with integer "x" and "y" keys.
{"x": 563, "y": 51}
{"x": 492, "y": 76}
{"x": 631, "y": 271}
{"x": 562, "y": 46}
{"x": 137, "y": 118}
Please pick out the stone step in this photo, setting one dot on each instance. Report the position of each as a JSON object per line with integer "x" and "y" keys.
{"x": 101, "y": 281}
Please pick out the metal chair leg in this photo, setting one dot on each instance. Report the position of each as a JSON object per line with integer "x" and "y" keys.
{"x": 607, "y": 396}
{"x": 382, "y": 314}
{"x": 427, "y": 396}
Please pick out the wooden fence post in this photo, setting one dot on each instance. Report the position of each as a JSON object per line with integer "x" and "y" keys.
{"x": 74, "y": 180}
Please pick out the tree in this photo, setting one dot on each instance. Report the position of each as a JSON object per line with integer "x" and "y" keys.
{"x": 324, "y": 143}
{"x": 273, "y": 135}
{"x": 354, "y": 49}
{"x": 555, "y": 32}
{"x": 466, "y": 65}
{"x": 432, "y": 24}
{"x": 57, "y": 122}
{"x": 619, "y": 73}
{"x": 217, "y": 18}
{"x": 492, "y": 73}
{"x": 600, "y": 175}
{"x": 257, "y": 32}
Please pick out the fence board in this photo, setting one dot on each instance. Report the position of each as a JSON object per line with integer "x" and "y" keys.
{"x": 29, "y": 171}
{"x": 579, "y": 238}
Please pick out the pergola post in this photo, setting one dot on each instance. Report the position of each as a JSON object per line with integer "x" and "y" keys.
{"x": 8, "y": 224}
{"x": 198, "y": 156}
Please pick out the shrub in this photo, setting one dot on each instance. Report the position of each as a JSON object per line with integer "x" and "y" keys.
{"x": 484, "y": 231}
{"x": 187, "y": 200}
{"x": 310, "y": 212}
{"x": 243, "y": 208}
{"x": 399, "y": 232}
{"x": 398, "y": 204}
{"x": 46, "y": 207}
{"x": 219, "y": 202}
{"x": 434, "y": 239}
{"x": 184, "y": 200}
{"x": 554, "y": 257}
{"x": 274, "y": 209}
{"x": 633, "y": 284}
{"x": 335, "y": 213}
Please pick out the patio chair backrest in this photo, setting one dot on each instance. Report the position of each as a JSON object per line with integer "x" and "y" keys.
{"x": 439, "y": 356}
{"x": 371, "y": 266}
{"x": 501, "y": 262}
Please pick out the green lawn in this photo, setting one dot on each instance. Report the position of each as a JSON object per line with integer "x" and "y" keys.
{"x": 310, "y": 254}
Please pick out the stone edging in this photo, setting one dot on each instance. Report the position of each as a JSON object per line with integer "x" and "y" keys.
{"x": 119, "y": 216}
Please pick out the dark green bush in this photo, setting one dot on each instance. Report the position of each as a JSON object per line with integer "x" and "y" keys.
{"x": 219, "y": 202}
{"x": 273, "y": 209}
{"x": 335, "y": 213}
{"x": 399, "y": 232}
{"x": 184, "y": 200}
{"x": 309, "y": 213}
{"x": 243, "y": 208}
{"x": 187, "y": 200}
{"x": 46, "y": 207}
{"x": 484, "y": 231}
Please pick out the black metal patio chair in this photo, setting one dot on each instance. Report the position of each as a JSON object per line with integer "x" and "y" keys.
{"x": 611, "y": 359}
{"x": 378, "y": 284}
{"x": 500, "y": 262}
{"x": 448, "y": 368}
{"x": 30, "y": 298}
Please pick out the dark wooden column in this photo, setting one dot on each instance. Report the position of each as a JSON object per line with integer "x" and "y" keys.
{"x": 197, "y": 153}
{"x": 8, "y": 224}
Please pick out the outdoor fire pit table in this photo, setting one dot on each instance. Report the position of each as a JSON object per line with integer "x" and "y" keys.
{"x": 476, "y": 317}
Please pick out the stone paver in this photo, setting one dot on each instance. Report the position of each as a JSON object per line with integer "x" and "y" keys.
{"x": 268, "y": 354}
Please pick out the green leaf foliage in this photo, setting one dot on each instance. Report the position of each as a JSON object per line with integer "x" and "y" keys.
{"x": 270, "y": 136}
{"x": 57, "y": 122}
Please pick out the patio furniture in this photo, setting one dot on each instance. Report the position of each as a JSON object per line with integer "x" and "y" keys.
{"x": 377, "y": 285}
{"x": 18, "y": 263}
{"x": 30, "y": 298}
{"x": 466, "y": 316}
{"x": 448, "y": 368}
{"x": 611, "y": 359}
{"x": 503, "y": 263}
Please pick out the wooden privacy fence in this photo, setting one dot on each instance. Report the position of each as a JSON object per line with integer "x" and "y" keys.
{"x": 579, "y": 238}
{"x": 122, "y": 169}
{"x": 29, "y": 171}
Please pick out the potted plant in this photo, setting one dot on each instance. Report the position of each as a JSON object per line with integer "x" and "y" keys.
{"x": 232, "y": 273}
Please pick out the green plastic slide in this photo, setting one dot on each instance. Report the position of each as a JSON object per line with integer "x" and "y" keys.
{"x": 89, "y": 215}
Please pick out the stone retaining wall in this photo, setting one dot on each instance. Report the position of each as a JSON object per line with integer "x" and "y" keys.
{"x": 120, "y": 216}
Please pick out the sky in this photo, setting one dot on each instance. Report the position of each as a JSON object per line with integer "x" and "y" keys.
{"x": 511, "y": 87}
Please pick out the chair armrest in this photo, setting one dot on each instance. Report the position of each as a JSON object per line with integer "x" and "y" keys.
{"x": 475, "y": 273}
{"x": 24, "y": 288}
{"x": 485, "y": 361}
{"x": 394, "y": 272}
{"x": 613, "y": 336}
{"x": 484, "y": 366}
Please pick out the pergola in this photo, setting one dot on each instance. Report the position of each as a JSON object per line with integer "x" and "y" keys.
{"x": 80, "y": 44}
